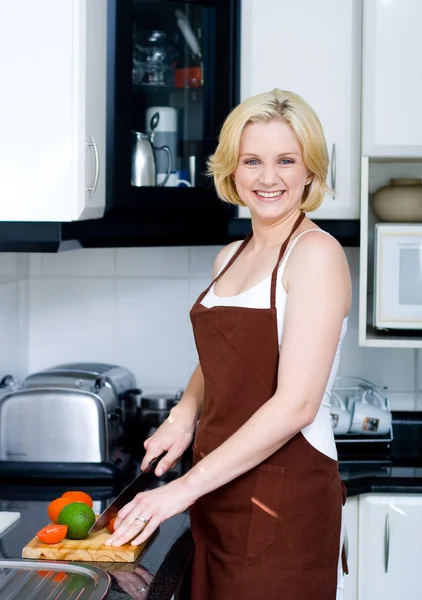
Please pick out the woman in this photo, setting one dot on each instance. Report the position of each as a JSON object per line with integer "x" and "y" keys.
{"x": 264, "y": 491}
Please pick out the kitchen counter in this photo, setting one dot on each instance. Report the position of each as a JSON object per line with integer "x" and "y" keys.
{"x": 168, "y": 554}
{"x": 384, "y": 478}
{"x": 161, "y": 564}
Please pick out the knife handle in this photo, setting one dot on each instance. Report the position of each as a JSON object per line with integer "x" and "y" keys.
{"x": 154, "y": 462}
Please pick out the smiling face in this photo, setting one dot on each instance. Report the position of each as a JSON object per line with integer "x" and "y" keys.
{"x": 270, "y": 176}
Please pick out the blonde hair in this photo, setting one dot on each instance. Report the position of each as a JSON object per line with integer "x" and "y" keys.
{"x": 277, "y": 105}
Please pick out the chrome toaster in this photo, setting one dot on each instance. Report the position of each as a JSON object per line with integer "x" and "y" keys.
{"x": 71, "y": 413}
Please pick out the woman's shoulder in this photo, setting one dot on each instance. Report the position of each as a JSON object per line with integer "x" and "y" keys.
{"x": 223, "y": 255}
{"x": 313, "y": 238}
{"x": 313, "y": 249}
{"x": 318, "y": 262}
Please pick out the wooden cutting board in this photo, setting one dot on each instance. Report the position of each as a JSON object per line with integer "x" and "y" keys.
{"x": 90, "y": 549}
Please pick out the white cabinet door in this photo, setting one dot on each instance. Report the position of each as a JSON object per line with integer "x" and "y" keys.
{"x": 313, "y": 49}
{"x": 49, "y": 87}
{"x": 91, "y": 98}
{"x": 390, "y": 546}
{"x": 392, "y": 78}
{"x": 351, "y": 523}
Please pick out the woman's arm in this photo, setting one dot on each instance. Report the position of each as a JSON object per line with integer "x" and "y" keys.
{"x": 176, "y": 433}
{"x": 318, "y": 299}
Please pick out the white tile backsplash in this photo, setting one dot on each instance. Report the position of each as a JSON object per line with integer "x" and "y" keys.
{"x": 131, "y": 306}
{"x": 9, "y": 267}
{"x": 70, "y": 320}
{"x": 152, "y": 262}
{"x": 13, "y": 328}
{"x": 402, "y": 400}
{"x": 153, "y": 334}
{"x": 202, "y": 260}
{"x": 90, "y": 262}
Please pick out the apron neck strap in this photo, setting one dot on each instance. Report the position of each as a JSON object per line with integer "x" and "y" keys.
{"x": 280, "y": 256}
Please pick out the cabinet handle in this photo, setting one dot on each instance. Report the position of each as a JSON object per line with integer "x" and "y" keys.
{"x": 333, "y": 169}
{"x": 387, "y": 541}
{"x": 93, "y": 144}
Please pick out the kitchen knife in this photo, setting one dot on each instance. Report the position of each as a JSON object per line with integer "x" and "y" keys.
{"x": 140, "y": 484}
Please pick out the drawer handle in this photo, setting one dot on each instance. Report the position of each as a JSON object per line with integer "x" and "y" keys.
{"x": 387, "y": 542}
{"x": 333, "y": 170}
{"x": 93, "y": 144}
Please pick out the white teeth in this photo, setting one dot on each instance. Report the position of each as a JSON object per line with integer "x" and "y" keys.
{"x": 269, "y": 194}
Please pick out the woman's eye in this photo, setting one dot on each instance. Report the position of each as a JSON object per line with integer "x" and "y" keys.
{"x": 255, "y": 161}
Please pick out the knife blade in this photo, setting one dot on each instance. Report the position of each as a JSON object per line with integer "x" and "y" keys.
{"x": 139, "y": 484}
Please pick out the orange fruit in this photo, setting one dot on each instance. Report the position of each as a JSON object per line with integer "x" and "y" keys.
{"x": 77, "y": 496}
{"x": 110, "y": 526}
{"x": 52, "y": 534}
{"x": 56, "y": 506}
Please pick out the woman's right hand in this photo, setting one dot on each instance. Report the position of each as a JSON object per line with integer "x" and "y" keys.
{"x": 173, "y": 436}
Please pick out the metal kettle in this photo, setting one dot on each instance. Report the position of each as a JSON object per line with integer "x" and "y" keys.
{"x": 144, "y": 165}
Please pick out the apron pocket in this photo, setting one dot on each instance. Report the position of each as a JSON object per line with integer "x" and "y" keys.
{"x": 242, "y": 516}
{"x": 266, "y": 505}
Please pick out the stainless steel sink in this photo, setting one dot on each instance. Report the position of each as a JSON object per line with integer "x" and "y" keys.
{"x": 42, "y": 580}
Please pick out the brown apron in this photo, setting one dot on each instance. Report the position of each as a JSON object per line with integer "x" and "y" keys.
{"x": 274, "y": 532}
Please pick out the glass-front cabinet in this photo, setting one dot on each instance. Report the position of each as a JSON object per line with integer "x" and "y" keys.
{"x": 176, "y": 77}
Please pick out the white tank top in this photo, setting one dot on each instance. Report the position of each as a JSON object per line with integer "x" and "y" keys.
{"x": 319, "y": 433}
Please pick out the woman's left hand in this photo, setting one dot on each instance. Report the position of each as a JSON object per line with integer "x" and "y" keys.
{"x": 138, "y": 519}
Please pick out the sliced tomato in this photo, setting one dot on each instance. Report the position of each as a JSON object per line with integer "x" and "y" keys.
{"x": 59, "y": 576}
{"x": 52, "y": 534}
{"x": 110, "y": 526}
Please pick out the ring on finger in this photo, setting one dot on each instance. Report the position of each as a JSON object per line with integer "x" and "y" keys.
{"x": 139, "y": 518}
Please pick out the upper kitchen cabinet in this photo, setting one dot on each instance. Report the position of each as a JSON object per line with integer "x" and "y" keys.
{"x": 313, "y": 49}
{"x": 392, "y": 78}
{"x": 53, "y": 109}
{"x": 176, "y": 80}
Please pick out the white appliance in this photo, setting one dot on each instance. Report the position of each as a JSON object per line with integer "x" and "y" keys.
{"x": 398, "y": 276}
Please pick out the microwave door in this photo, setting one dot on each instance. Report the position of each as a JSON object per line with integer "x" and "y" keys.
{"x": 398, "y": 277}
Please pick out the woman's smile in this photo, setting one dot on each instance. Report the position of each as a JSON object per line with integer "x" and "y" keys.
{"x": 269, "y": 196}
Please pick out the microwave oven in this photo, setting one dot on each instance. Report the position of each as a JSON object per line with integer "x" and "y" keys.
{"x": 398, "y": 276}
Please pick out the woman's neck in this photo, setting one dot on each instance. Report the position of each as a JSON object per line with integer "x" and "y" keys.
{"x": 267, "y": 235}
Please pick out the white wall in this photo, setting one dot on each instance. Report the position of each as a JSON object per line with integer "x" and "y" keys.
{"x": 131, "y": 307}
{"x": 13, "y": 314}
{"x": 124, "y": 306}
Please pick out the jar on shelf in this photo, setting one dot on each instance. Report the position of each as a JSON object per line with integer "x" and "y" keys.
{"x": 400, "y": 201}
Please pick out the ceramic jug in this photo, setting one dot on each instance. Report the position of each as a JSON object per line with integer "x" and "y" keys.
{"x": 399, "y": 202}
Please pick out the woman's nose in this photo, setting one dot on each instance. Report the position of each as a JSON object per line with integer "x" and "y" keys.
{"x": 268, "y": 175}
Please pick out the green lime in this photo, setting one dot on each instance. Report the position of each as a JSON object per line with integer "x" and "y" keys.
{"x": 79, "y": 518}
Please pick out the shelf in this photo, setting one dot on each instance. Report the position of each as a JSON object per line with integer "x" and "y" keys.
{"x": 375, "y": 173}
{"x": 346, "y": 231}
{"x": 376, "y": 338}
{"x": 138, "y": 88}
